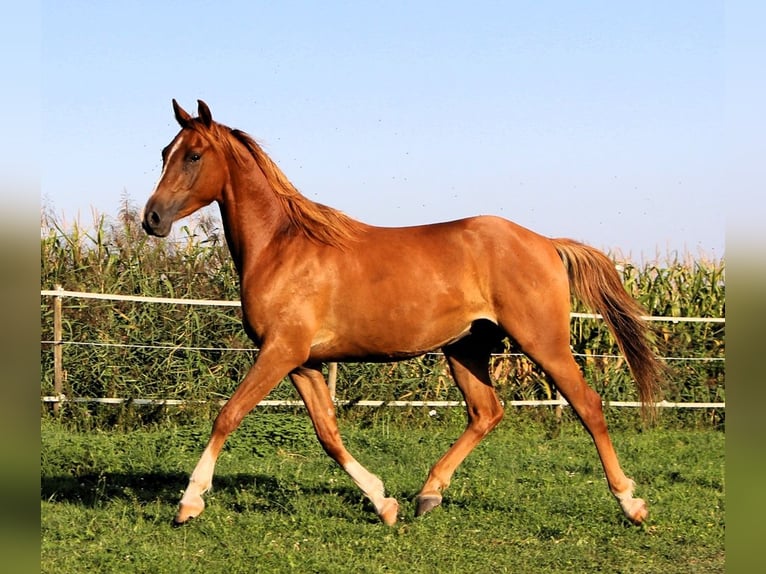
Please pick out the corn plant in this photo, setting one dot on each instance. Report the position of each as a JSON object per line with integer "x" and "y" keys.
{"x": 140, "y": 350}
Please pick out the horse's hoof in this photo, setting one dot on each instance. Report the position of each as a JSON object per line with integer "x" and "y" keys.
{"x": 426, "y": 503}
{"x": 389, "y": 512}
{"x": 177, "y": 524}
{"x": 635, "y": 510}
{"x": 188, "y": 510}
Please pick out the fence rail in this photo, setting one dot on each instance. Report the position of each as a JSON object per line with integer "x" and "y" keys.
{"x": 223, "y": 303}
{"x": 560, "y": 402}
{"x": 58, "y": 294}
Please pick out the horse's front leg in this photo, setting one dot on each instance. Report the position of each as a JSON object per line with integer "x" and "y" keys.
{"x": 270, "y": 368}
{"x": 316, "y": 396}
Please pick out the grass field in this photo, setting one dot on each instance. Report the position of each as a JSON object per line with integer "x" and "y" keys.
{"x": 531, "y": 498}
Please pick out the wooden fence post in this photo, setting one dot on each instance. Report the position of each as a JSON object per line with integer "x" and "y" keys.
{"x": 332, "y": 378}
{"x": 58, "y": 358}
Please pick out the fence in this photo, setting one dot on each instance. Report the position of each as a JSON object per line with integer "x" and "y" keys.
{"x": 58, "y": 294}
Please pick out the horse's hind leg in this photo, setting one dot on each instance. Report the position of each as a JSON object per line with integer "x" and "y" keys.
{"x": 469, "y": 363}
{"x": 556, "y": 359}
{"x": 316, "y": 396}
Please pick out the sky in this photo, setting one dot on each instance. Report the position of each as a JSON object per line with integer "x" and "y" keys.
{"x": 600, "y": 121}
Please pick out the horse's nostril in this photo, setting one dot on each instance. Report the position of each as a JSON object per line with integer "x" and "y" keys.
{"x": 151, "y": 222}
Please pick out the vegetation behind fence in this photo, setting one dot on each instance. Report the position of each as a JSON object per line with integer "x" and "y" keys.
{"x": 139, "y": 350}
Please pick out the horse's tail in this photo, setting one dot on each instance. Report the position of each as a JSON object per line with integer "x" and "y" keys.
{"x": 595, "y": 281}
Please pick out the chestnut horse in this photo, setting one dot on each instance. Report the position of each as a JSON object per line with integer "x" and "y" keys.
{"x": 318, "y": 286}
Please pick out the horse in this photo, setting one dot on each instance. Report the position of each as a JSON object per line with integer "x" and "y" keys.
{"x": 318, "y": 286}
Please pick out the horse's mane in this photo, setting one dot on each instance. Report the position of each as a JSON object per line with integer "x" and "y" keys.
{"x": 318, "y": 222}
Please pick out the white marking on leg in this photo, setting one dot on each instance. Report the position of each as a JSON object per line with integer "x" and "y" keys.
{"x": 626, "y": 494}
{"x": 201, "y": 479}
{"x": 369, "y": 484}
{"x": 633, "y": 508}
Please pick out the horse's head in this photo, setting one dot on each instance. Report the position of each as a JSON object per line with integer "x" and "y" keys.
{"x": 193, "y": 172}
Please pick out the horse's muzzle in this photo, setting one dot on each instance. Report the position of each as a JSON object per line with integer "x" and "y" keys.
{"x": 154, "y": 224}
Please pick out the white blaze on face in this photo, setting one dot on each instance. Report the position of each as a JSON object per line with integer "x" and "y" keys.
{"x": 168, "y": 157}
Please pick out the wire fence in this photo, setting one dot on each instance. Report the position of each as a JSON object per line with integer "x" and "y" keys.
{"x": 58, "y": 343}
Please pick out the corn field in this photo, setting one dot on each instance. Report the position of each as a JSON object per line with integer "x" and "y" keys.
{"x": 140, "y": 350}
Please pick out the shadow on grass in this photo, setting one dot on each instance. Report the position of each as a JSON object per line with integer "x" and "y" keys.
{"x": 243, "y": 492}
{"x": 93, "y": 489}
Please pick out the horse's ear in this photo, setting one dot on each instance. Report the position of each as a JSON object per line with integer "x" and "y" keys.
{"x": 182, "y": 117}
{"x": 204, "y": 113}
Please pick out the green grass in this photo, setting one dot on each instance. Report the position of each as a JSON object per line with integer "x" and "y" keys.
{"x": 531, "y": 498}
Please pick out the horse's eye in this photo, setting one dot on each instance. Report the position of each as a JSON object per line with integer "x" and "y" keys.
{"x": 194, "y": 157}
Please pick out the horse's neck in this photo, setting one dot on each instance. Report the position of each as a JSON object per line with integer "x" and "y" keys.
{"x": 251, "y": 214}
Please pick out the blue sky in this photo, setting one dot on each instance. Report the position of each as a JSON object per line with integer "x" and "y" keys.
{"x": 601, "y": 121}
